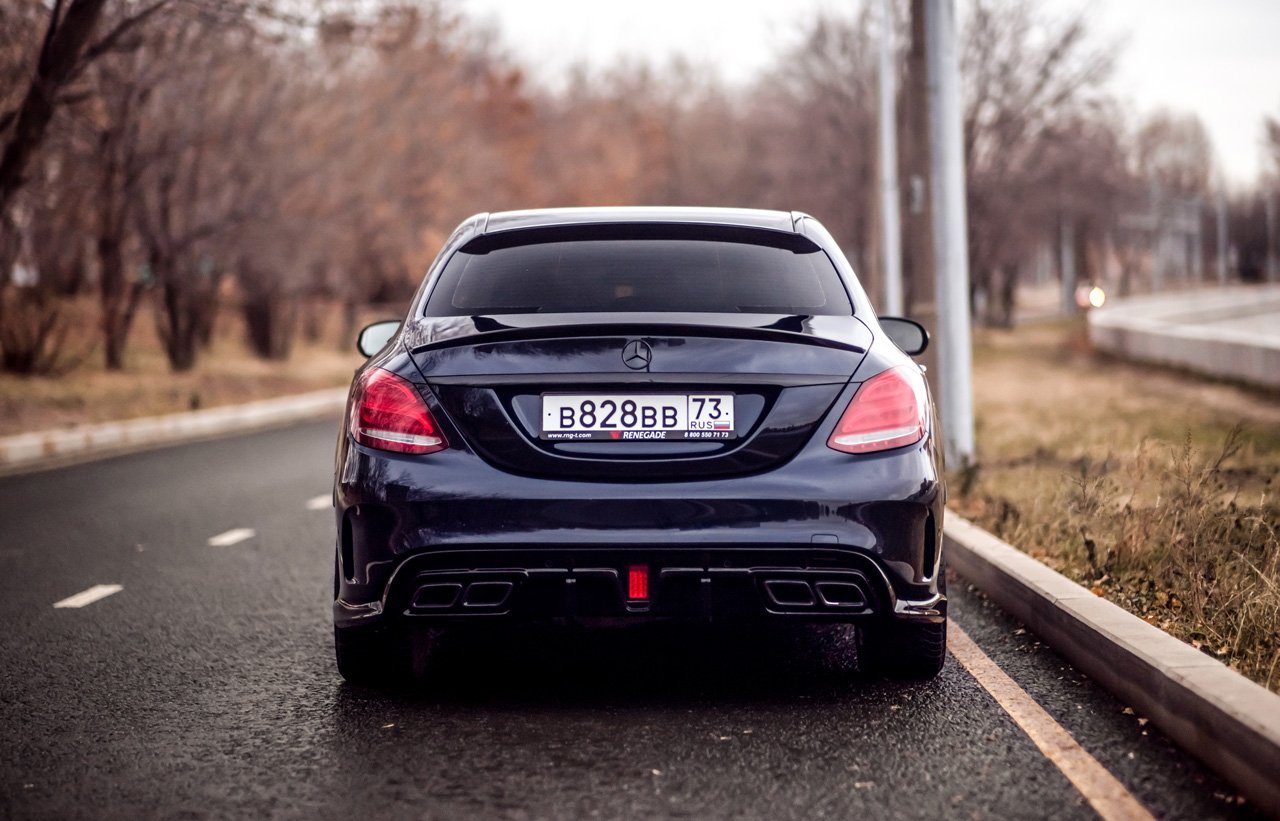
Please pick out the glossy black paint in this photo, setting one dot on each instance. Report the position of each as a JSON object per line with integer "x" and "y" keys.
{"x": 721, "y": 524}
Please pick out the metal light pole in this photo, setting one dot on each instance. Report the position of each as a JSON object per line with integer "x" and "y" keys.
{"x": 950, "y": 231}
{"x": 891, "y": 231}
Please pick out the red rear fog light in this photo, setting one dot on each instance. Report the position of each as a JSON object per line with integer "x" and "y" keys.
{"x": 638, "y": 582}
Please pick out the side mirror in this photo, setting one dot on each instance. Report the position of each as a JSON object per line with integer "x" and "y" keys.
{"x": 376, "y": 336}
{"x": 907, "y": 334}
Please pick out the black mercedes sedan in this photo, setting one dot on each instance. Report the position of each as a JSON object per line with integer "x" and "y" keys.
{"x": 612, "y": 414}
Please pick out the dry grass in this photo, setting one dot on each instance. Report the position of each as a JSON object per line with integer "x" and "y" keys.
{"x": 226, "y": 373}
{"x": 1154, "y": 489}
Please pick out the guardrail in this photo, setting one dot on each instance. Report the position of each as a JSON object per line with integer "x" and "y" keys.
{"x": 1195, "y": 330}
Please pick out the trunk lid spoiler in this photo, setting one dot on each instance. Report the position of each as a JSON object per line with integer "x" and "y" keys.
{"x": 840, "y": 332}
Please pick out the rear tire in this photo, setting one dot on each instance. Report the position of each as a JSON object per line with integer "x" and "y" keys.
{"x": 374, "y": 656}
{"x": 908, "y": 650}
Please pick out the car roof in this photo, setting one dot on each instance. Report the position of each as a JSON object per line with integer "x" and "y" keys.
{"x": 546, "y": 217}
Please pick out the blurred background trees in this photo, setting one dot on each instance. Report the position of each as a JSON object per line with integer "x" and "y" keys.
{"x": 209, "y": 161}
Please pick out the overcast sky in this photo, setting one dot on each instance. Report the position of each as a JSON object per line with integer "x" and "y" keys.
{"x": 1217, "y": 58}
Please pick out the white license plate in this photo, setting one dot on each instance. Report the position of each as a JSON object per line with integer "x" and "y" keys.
{"x": 637, "y": 416}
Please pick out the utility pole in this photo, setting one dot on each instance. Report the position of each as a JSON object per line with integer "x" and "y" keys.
{"x": 950, "y": 229}
{"x": 891, "y": 231}
{"x": 921, "y": 302}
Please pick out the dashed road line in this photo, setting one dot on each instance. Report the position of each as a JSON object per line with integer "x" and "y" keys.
{"x": 1101, "y": 789}
{"x": 320, "y": 502}
{"x": 231, "y": 537}
{"x": 93, "y": 594}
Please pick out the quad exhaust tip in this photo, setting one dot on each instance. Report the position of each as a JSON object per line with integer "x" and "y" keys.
{"x": 485, "y": 595}
{"x": 798, "y": 593}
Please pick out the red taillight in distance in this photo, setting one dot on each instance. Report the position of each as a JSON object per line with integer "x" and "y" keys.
{"x": 889, "y": 410}
{"x": 388, "y": 413}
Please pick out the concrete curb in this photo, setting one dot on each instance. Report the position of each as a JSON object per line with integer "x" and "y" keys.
{"x": 34, "y": 451}
{"x": 1188, "y": 330}
{"x": 1227, "y": 721}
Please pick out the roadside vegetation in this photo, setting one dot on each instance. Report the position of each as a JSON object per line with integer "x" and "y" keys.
{"x": 1157, "y": 490}
{"x": 83, "y": 391}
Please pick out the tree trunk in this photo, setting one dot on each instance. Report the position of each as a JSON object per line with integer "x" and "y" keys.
{"x": 10, "y": 246}
{"x": 176, "y": 318}
{"x": 181, "y": 339}
{"x": 119, "y": 301}
{"x": 350, "y": 313}
{"x": 270, "y": 319}
{"x": 1008, "y": 295}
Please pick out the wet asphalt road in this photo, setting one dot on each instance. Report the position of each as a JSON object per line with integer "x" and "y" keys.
{"x": 206, "y": 687}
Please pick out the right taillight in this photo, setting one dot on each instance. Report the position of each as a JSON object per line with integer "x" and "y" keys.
{"x": 889, "y": 410}
{"x": 388, "y": 413}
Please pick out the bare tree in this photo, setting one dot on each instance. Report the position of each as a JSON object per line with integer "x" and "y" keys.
{"x": 1174, "y": 152}
{"x": 64, "y": 50}
{"x": 192, "y": 190}
{"x": 821, "y": 145}
{"x": 272, "y": 156}
{"x": 122, "y": 84}
{"x": 1032, "y": 94}
{"x": 38, "y": 307}
{"x": 1172, "y": 162}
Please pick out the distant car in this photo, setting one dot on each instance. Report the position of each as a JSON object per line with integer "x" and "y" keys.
{"x": 639, "y": 413}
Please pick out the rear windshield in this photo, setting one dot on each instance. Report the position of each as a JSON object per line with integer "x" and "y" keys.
{"x": 606, "y": 268}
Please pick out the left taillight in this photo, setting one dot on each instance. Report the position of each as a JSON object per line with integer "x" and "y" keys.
{"x": 388, "y": 413}
{"x": 889, "y": 410}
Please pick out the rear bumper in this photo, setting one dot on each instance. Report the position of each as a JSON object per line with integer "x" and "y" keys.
{"x": 712, "y": 584}
{"x": 449, "y": 537}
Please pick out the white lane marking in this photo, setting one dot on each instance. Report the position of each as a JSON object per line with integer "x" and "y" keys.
{"x": 1099, "y": 787}
{"x": 98, "y": 591}
{"x": 320, "y": 502}
{"x": 232, "y": 537}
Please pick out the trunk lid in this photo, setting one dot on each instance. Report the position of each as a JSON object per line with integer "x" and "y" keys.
{"x": 782, "y": 374}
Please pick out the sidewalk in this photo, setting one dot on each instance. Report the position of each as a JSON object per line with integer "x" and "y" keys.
{"x": 1228, "y": 333}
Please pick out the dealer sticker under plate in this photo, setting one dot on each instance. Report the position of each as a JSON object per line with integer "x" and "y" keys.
{"x": 581, "y": 417}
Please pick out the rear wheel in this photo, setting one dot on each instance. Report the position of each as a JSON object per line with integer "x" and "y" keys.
{"x": 903, "y": 649}
{"x": 374, "y": 656}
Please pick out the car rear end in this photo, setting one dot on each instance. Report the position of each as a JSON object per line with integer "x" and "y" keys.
{"x": 636, "y": 418}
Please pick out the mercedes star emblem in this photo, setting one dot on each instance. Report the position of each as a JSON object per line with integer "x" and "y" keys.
{"x": 637, "y": 354}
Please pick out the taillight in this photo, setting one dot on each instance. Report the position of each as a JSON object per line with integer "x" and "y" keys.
{"x": 889, "y": 410}
{"x": 389, "y": 414}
